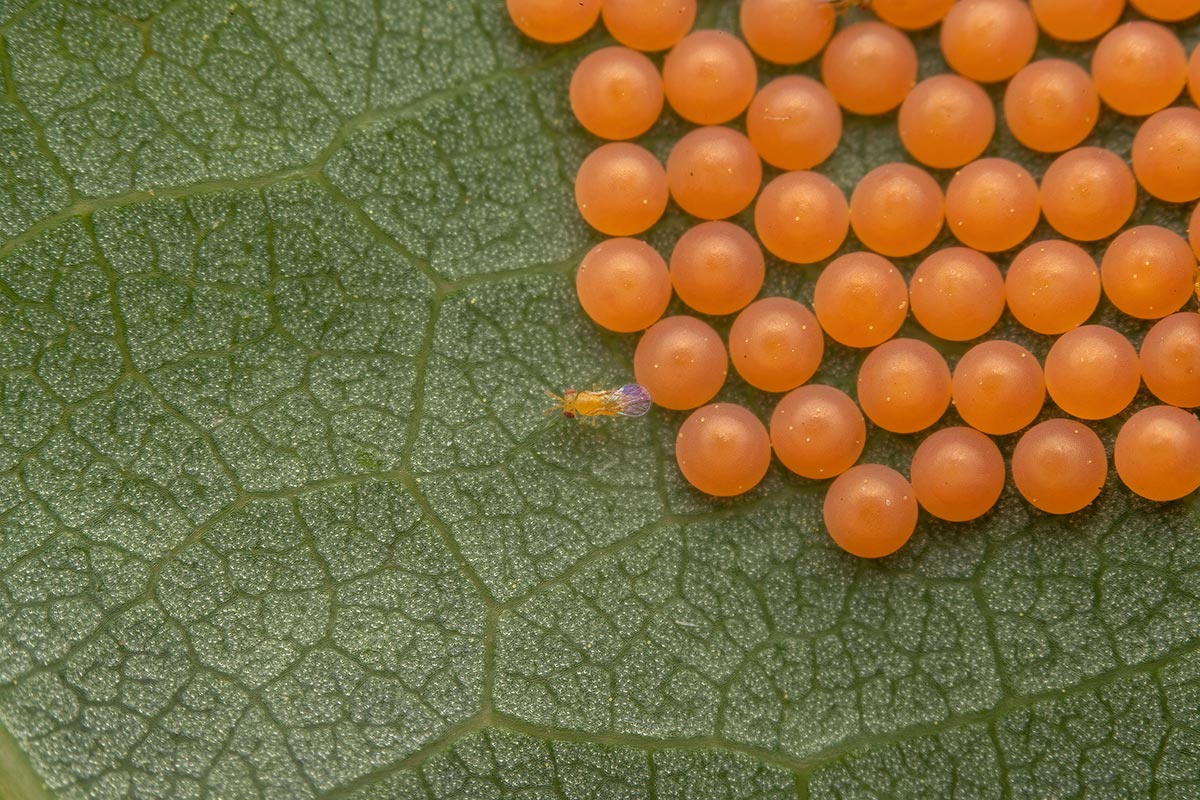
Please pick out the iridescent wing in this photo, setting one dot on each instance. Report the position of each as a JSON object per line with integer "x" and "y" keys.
{"x": 631, "y": 400}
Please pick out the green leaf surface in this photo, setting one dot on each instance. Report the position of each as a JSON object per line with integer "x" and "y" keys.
{"x": 281, "y": 287}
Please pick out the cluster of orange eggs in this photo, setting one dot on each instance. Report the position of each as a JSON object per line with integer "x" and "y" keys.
{"x": 990, "y": 205}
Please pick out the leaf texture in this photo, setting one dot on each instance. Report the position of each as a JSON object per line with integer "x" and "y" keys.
{"x": 281, "y": 287}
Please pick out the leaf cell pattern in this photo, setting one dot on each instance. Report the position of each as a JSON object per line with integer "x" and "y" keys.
{"x": 281, "y": 286}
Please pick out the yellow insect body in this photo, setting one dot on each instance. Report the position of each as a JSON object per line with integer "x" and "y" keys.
{"x": 594, "y": 404}
{"x": 630, "y": 400}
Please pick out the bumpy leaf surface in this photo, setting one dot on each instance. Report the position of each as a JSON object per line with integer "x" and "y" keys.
{"x": 281, "y": 287}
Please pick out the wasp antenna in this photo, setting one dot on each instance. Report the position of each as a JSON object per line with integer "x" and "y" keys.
{"x": 559, "y": 403}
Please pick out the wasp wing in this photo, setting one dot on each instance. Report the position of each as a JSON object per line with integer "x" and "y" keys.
{"x": 631, "y": 400}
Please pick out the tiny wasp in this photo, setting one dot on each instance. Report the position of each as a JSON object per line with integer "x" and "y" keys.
{"x": 630, "y": 400}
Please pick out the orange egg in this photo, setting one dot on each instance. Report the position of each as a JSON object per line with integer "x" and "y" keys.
{"x": 988, "y": 40}
{"x": 1148, "y": 271}
{"x": 649, "y": 25}
{"x": 1092, "y": 372}
{"x": 992, "y": 204}
{"x": 623, "y": 285}
{"x": 554, "y": 21}
{"x": 1076, "y": 20}
{"x": 870, "y": 510}
{"x": 1167, "y": 10}
{"x": 621, "y": 189}
{"x": 957, "y": 474}
{"x": 998, "y": 387}
{"x": 946, "y": 121}
{"x": 681, "y": 361}
{"x": 1170, "y": 359}
{"x": 1166, "y": 154}
{"x": 1139, "y": 67}
{"x": 709, "y": 77}
{"x": 794, "y": 122}
{"x": 904, "y": 385}
{"x": 1052, "y": 286}
{"x": 869, "y": 67}
{"x": 786, "y": 31}
{"x": 817, "y": 431}
{"x": 1088, "y": 193}
{"x": 1059, "y": 466}
{"x": 911, "y": 14}
{"x": 802, "y": 217}
{"x": 860, "y": 299}
{"x": 957, "y": 293}
{"x": 1157, "y": 453}
{"x": 1194, "y": 234}
{"x": 717, "y": 267}
{"x": 897, "y": 209}
{"x": 713, "y": 172}
{"x": 616, "y": 93}
{"x": 776, "y": 344}
{"x": 722, "y": 449}
{"x": 1051, "y": 105}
